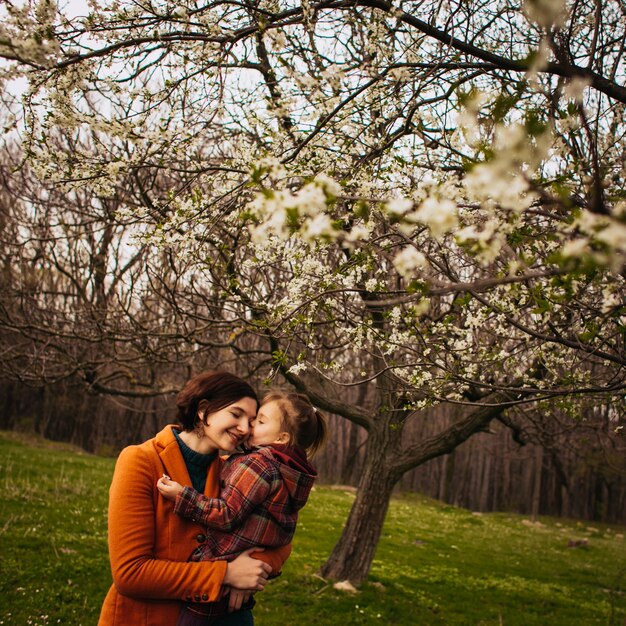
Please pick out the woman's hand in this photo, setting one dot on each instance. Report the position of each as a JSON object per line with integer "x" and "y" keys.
{"x": 168, "y": 488}
{"x": 246, "y": 573}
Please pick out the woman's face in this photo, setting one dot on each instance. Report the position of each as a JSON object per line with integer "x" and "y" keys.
{"x": 227, "y": 428}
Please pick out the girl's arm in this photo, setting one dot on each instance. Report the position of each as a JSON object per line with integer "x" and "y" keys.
{"x": 251, "y": 482}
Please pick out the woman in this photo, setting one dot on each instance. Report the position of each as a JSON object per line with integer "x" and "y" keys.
{"x": 149, "y": 546}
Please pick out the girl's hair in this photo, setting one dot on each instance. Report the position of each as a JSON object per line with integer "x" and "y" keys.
{"x": 215, "y": 390}
{"x": 304, "y": 424}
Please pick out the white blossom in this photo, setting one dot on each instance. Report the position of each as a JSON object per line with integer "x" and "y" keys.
{"x": 359, "y": 232}
{"x": 317, "y": 226}
{"x": 422, "y": 307}
{"x": 408, "y": 260}
{"x": 574, "y": 88}
{"x": 546, "y": 13}
{"x": 398, "y": 207}
{"x": 611, "y": 298}
{"x": 298, "y": 368}
{"x": 539, "y": 62}
{"x": 439, "y": 214}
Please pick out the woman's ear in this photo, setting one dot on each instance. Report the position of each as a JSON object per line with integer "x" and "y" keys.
{"x": 202, "y": 406}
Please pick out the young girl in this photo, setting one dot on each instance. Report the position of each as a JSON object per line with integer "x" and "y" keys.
{"x": 262, "y": 491}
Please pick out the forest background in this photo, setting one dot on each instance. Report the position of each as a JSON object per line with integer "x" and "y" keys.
{"x": 415, "y": 213}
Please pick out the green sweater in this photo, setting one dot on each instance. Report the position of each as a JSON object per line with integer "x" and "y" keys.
{"x": 197, "y": 464}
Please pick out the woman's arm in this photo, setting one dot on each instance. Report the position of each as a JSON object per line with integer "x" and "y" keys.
{"x": 134, "y": 542}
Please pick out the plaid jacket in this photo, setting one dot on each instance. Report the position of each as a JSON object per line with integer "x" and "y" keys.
{"x": 261, "y": 494}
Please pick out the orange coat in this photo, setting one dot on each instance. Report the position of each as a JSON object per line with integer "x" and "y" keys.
{"x": 149, "y": 544}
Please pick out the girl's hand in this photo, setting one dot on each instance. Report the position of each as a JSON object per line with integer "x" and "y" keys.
{"x": 246, "y": 573}
{"x": 168, "y": 488}
{"x": 237, "y": 598}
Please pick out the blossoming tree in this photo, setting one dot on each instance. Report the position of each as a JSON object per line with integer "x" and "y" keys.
{"x": 424, "y": 200}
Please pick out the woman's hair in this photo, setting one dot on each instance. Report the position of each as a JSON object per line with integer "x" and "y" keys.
{"x": 304, "y": 424}
{"x": 215, "y": 390}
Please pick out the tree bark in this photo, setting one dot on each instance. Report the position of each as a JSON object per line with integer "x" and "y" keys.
{"x": 485, "y": 482}
{"x": 352, "y": 452}
{"x": 536, "y": 501}
{"x": 352, "y": 556}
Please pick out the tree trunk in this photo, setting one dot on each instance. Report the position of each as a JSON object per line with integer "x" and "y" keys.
{"x": 505, "y": 493}
{"x": 352, "y": 453}
{"x": 443, "y": 491}
{"x": 485, "y": 482}
{"x": 352, "y": 556}
{"x": 536, "y": 501}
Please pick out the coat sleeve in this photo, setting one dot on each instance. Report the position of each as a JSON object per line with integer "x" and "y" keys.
{"x": 137, "y": 571}
{"x": 275, "y": 557}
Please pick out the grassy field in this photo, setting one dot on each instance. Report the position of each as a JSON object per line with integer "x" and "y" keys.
{"x": 435, "y": 565}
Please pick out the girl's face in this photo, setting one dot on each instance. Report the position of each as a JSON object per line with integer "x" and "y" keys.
{"x": 267, "y": 426}
{"x": 227, "y": 428}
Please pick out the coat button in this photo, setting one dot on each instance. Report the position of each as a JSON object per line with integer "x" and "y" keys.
{"x": 196, "y": 598}
{"x": 188, "y": 599}
{"x": 200, "y": 538}
{"x": 205, "y": 597}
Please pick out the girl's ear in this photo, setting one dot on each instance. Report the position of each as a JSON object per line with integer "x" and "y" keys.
{"x": 282, "y": 438}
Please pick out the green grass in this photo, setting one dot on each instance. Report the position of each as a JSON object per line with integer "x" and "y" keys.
{"x": 435, "y": 565}
{"x": 53, "y": 546}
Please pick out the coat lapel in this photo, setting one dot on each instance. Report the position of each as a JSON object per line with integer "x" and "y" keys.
{"x": 211, "y": 488}
{"x": 171, "y": 456}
